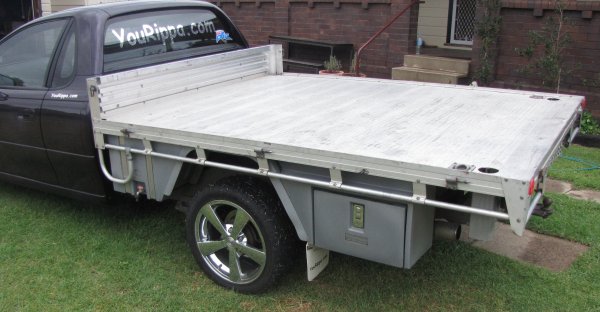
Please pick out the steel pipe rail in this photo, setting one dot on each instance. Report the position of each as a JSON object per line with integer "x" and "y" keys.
{"x": 109, "y": 176}
{"x": 419, "y": 200}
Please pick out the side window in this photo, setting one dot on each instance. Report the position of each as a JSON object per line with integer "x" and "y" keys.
{"x": 65, "y": 69}
{"x": 155, "y": 37}
{"x": 26, "y": 56}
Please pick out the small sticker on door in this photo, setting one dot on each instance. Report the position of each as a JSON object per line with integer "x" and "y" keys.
{"x": 63, "y": 96}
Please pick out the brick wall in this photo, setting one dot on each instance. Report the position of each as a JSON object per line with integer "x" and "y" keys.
{"x": 582, "y": 54}
{"x": 46, "y": 7}
{"x": 347, "y": 21}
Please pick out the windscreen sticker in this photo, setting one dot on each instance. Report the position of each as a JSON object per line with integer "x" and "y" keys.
{"x": 222, "y": 36}
{"x": 154, "y": 32}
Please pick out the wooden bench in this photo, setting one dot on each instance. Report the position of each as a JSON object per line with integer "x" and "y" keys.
{"x": 306, "y": 64}
{"x": 311, "y": 54}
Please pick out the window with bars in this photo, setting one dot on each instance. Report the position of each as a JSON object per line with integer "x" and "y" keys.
{"x": 463, "y": 16}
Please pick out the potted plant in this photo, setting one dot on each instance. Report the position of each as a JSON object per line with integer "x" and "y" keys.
{"x": 332, "y": 67}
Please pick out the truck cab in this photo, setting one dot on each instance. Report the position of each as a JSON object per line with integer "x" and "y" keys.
{"x": 46, "y": 137}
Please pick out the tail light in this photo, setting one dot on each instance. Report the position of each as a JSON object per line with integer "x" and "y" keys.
{"x": 531, "y": 186}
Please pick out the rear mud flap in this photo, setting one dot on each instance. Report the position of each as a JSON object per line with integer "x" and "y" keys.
{"x": 317, "y": 260}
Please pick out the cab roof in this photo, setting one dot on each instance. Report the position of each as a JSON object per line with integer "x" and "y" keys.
{"x": 120, "y": 8}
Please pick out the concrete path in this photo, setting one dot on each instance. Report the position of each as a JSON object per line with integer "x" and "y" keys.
{"x": 550, "y": 252}
{"x": 561, "y": 187}
{"x": 546, "y": 251}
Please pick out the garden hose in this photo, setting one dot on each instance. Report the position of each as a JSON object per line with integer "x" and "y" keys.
{"x": 592, "y": 166}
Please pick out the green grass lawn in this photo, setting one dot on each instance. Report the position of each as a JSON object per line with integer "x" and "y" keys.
{"x": 569, "y": 167}
{"x": 58, "y": 254}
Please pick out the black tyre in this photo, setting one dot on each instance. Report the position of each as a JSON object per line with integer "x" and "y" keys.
{"x": 239, "y": 234}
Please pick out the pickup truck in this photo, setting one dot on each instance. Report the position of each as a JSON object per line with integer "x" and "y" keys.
{"x": 165, "y": 100}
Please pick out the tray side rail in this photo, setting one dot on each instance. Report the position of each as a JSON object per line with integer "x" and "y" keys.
{"x": 136, "y": 86}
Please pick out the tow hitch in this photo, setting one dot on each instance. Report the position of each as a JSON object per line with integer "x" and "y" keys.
{"x": 543, "y": 209}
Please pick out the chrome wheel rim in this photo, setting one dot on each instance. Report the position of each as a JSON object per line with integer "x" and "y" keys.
{"x": 230, "y": 242}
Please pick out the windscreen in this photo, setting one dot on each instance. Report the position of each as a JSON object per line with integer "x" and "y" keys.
{"x": 156, "y": 37}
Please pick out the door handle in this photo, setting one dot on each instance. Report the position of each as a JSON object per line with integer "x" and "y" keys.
{"x": 26, "y": 114}
{"x": 3, "y": 96}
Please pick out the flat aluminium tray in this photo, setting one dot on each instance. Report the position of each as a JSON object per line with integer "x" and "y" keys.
{"x": 369, "y": 120}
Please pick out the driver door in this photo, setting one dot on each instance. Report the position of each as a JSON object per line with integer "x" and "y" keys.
{"x": 25, "y": 60}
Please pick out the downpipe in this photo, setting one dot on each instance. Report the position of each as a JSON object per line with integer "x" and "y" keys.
{"x": 448, "y": 231}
